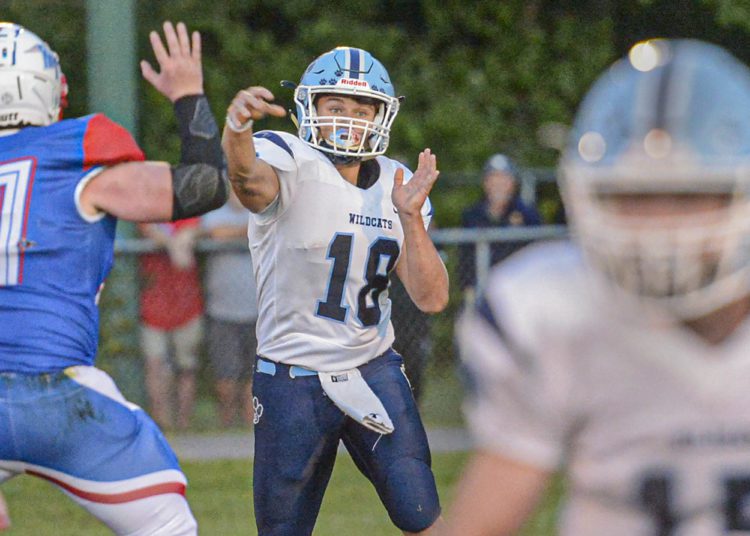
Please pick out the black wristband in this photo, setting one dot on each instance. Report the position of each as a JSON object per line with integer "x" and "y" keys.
{"x": 199, "y": 133}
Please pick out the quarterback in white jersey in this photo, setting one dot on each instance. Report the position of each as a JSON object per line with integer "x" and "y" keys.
{"x": 331, "y": 311}
{"x": 622, "y": 358}
{"x": 331, "y": 219}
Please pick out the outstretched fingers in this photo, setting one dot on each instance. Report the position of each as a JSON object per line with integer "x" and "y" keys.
{"x": 197, "y": 50}
{"x": 160, "y": 53}
{"x": 398, "y": 178}
{"x": 148, "y": 72}
{"x": 253, "y": 103}
{"x": 183, "y": 38}
{"x": 173, "y": 42}
{"x": 427, "y": 168}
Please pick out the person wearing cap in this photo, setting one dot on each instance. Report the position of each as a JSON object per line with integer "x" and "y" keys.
{"x": 501, "y": 206}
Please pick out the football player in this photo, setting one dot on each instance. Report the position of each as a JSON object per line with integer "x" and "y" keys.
{"x": 622, "y": 358}
{"x": 63, "y": 185}
{"x": 331, "y": 219}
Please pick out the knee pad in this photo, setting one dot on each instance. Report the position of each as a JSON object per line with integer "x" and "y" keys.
{"x": 410, "y": 495}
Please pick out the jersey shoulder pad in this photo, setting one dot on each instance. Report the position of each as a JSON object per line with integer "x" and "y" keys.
{"x": 543, "y": 286}
{"x": 280, "y": 149}
{"x": 106, "y": 143}
{"x": 539, "y": 261}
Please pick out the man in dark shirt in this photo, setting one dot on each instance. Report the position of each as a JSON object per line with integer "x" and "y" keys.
{"x": 501, "y": 206}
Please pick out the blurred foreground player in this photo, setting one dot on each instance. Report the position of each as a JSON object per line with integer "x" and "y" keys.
{"x": 622, "y": 359}
{"x": 63, "y": 185}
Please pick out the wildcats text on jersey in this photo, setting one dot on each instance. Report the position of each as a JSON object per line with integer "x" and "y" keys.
{"x": 370, "y": 221}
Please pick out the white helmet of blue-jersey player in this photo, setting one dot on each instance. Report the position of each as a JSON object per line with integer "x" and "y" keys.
{"x": 30, "y": 79}
{"x": 351, "y": 72}
{"x": 669, "y": 122}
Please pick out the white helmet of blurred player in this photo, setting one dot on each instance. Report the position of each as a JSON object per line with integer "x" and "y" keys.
{"x": 30, "y": 79}
{"x": 669, "y": 123}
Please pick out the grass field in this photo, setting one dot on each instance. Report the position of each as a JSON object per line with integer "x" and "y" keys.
{"x": 220, "y": 491}
{"x": 220, "y": 496}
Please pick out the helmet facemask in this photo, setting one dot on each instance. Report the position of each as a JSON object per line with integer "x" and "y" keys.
{"x": 350, "y": 137}
{"x": 353, "y": 73}
{"x": 686, "y": 261}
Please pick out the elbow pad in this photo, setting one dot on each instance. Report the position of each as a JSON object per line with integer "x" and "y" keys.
{"x": 197, "y": 189}
{"x": 198, "y": 182}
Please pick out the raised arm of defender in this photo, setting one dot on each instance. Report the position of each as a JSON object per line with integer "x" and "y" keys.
{"x": 253, "y": 180}
{"x": 156, "y": 191}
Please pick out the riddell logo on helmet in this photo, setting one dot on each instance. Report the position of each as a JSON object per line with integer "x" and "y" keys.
{"x": 8, "y": 117}
{"x": 353, "y": 82}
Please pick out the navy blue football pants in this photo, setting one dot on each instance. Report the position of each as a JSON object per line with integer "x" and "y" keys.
{"x": 296, "y": 437}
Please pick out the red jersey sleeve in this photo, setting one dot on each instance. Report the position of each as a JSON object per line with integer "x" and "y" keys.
{"x": 105, "y": 143}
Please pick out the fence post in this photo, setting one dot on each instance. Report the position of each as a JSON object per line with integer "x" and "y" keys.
{"x": 483, "y": 263}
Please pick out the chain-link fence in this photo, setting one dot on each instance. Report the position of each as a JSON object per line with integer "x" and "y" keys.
{"x": 425, "y": 341}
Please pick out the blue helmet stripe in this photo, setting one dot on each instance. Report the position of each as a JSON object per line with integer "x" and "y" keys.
{"x": 354, "y": 66}
{"x": 15, "y": 44}
{"x": 347, "y": 61}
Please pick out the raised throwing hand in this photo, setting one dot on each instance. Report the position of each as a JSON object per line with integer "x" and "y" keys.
{"x": 250, "y": 105}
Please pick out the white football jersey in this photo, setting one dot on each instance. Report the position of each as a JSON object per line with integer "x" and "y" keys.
{"x": 322, "y": 252}
{"x": 650, "y": 423}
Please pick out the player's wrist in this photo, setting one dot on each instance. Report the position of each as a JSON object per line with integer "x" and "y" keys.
{"x": 238, "y": 127}
{"x": 408, "y": 214}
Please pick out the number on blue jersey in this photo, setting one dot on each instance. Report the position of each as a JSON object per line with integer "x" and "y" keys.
{"x": 16, "y": 181}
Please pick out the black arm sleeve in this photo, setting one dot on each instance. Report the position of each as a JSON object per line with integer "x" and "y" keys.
{"x": 198, "y": 181}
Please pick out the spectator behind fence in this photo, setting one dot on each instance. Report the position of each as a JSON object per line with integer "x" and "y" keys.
{"x": 232, "y": 309}
{"x": 171, "y": 320}
{"x": 501, "y": 206}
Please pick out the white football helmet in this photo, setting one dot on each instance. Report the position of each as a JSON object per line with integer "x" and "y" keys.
{"x": 30, "y": 79}
{"x": 669, "y": 123}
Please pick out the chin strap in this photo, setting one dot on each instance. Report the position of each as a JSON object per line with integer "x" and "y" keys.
{"x": 339, "y": 159}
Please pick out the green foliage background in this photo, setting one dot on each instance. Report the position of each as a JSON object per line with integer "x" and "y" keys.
{"x": 479, "y": 77}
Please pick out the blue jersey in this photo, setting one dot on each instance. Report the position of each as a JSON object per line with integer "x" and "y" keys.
{"x": 53, "y": 258}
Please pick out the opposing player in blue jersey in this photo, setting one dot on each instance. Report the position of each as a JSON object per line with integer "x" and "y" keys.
{"x": 331, "y": 220}
{"x": 63, "y": 185}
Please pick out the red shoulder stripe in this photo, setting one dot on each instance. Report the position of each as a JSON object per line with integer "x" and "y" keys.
{"x": 105, "y": 143}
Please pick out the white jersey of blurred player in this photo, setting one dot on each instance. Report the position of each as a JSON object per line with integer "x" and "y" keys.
{"x": 321, "y": 251}
{"x": 650, "y": 422}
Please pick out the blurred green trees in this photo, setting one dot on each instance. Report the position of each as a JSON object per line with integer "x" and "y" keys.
{"x": 479, "y": 76}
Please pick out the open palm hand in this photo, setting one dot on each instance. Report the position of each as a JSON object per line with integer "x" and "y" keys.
{"x": 408, "y": 198}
